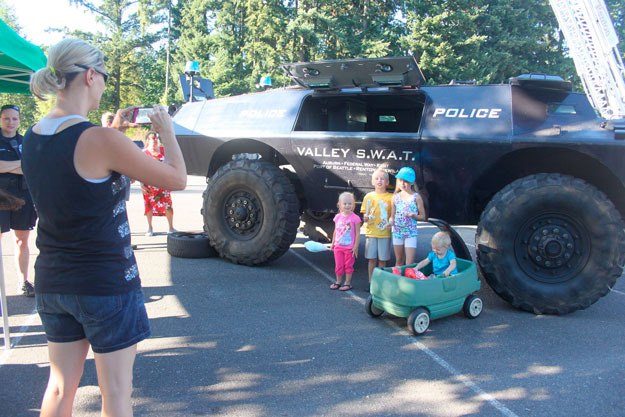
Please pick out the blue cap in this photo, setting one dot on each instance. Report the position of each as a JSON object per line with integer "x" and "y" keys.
{"x": 406, "y": 174}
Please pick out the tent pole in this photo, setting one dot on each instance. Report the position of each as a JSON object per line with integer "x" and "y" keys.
{"x": 4, "y": 306}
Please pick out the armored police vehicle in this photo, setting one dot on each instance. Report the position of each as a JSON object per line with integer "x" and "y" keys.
{"x": 529, "y": 162}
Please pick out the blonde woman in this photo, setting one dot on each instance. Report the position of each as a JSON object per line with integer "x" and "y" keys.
{"x": 88, "y": 291}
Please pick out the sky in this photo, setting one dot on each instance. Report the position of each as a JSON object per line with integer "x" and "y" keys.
{"x": 34, "y": 16}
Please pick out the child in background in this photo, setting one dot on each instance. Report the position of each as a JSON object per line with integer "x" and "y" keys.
{"x": 345, "y": 241}
{"x": 443, "y": 258}
{"x": 376, "y": 210}
{"x": 406, "y": 209}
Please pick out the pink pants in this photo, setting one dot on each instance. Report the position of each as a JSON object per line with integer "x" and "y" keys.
{"x": 344, "y": 261}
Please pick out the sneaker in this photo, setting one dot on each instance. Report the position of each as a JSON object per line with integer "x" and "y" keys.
{"x": 27, "y": 289}
{"x": 149, "y": 233}
{"x": 171, "y": 231}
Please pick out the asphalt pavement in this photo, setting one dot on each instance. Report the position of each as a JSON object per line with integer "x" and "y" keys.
{"x": 230, "y": 340}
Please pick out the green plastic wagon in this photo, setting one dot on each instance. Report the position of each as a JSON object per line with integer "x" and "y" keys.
{"x": 425, "y": 300}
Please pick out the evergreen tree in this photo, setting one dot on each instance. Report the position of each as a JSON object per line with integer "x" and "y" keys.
{"x": 485, "y": 40}
{"x": 129, "y": 27}
{"x": 229, "y": 72}
{"x": 264, "y": 43}
{"x": 194, "y": 26}
{"x": 616, "y": 8}
{"x": 305, "y": 31}
{"x": 362, "y": 28}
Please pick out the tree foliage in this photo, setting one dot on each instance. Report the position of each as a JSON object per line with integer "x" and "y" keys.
{"x": 132, "y": 28}
{"x": 485, "y": 40}
{"x": 238, "y": 41}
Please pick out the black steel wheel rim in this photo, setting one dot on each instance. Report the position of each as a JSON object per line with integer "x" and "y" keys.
{"x": 552, "y": 248}
{"x": 243, "y": 214}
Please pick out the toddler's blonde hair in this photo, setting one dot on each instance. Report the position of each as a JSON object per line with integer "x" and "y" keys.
{"x": 441, "y": 240}
{"x": 345, "y": 194}
{"x": 381, "y": 171}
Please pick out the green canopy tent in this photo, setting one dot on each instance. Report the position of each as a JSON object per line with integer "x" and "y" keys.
{"x": 18, "y": 59}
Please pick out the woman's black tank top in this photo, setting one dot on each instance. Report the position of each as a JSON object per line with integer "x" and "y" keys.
{"x": 83, "y": 234}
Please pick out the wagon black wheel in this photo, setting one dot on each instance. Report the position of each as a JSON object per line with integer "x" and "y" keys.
{"x": 550, "y": 244}
{"x": 372, "y": 310}
{"x": 189, "y": 245}
{"x": 418, "y": 321}
{"x": 250, "y": 212}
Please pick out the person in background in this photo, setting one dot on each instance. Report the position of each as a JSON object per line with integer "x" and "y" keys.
{"x": 345, "y": 241}
{"x": 88, "y": 289}
{"x": 376, "y": 211}
{"x": 12, "y": 181}
{"x": 157, "y": 201}
{"x": 107, "y": 119}
{"x": 406, "y": 210}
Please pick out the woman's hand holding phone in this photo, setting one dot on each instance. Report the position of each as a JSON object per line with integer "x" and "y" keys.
{"x": 123, "y": 119}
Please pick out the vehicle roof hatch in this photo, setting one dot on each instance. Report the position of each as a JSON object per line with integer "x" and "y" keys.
{"x": 541, "y": 81}
{"x": 359, "y": 72}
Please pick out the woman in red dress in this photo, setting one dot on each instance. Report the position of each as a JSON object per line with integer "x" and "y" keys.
{"x": 157, "y": 201}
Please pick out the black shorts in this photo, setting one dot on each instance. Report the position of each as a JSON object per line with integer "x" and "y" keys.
{"x": 22, "y": 219}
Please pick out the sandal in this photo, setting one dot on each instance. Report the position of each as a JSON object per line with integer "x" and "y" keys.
{"x": 335, "y": 286}
{"x": 345, "y": 288}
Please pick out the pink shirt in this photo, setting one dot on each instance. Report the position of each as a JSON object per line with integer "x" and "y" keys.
{"x": 345, "y": 230}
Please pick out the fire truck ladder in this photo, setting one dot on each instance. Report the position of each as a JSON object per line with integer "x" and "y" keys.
{"x": 592, "y": 43}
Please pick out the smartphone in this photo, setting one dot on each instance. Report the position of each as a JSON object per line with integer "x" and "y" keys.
{"x": 140, "y": 115}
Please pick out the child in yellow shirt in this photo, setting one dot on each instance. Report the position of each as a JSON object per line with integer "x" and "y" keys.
{"x": 376, "y": 210}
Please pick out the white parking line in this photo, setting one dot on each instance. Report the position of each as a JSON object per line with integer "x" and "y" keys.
{"x": 439, "y": 360}
{"x": 15, "y": 340}
{"x": 617, "y": 291}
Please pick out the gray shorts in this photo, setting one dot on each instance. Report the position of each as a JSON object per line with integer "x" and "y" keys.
{"x": 378, "y": 248}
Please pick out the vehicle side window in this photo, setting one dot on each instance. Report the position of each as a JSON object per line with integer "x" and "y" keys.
{"x": 559, "y": 108}
{"x": 365, "y": 113}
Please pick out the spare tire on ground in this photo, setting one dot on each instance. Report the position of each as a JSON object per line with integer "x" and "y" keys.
{"x": 189, "y": 245}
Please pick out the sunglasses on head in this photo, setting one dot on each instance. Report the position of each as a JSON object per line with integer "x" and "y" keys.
{"x": 102, "y": 73}
{"x": 10, "y": 107}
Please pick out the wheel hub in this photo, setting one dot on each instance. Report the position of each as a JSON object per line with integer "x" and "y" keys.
{"x": 551, "y": 248}
{"x": 242, "y": 213}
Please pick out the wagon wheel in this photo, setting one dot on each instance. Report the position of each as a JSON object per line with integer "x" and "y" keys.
{"x": 372, "y": 310}
{"x": 472, "y": 306}
{"x": 419, "y": 321}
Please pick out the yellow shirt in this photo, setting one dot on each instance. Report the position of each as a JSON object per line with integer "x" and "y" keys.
{"x": 378, "y": 207}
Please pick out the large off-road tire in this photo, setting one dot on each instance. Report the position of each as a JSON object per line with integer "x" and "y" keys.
{"x": 550, "y": 244}
{"x": 251, "y": 212}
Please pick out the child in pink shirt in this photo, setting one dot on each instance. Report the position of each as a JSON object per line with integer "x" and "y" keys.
{"x": 345, "y": 241}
